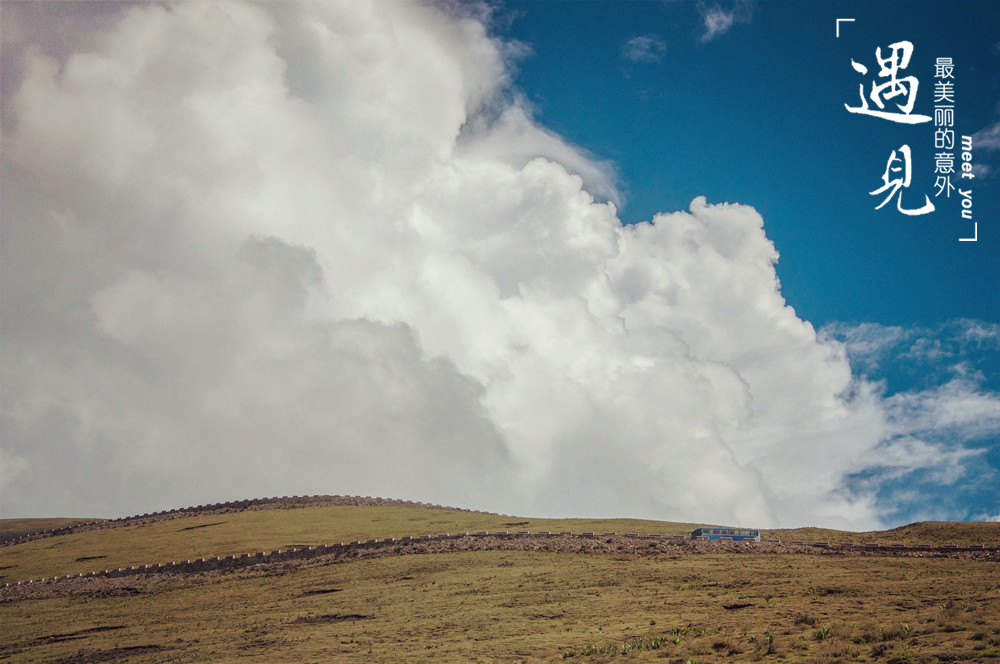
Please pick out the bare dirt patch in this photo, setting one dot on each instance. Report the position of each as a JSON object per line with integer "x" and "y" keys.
{"x": 110, "y": 655}
{"x": 330, "y": 618}
{"x": 101, "y": 587}
{"x": 79, "y": 634}
{"x": 65, "y": 636}
{"x": 124, "y": 591}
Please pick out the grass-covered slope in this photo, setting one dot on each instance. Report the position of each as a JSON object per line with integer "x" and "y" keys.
{"x": 660, "y": 602}
{"x": 929, "y": 532}
{"x": 503, "y": 606}
{"x": 14, "y": 528}
{"x": 209, "y": 535}
{"x": 246, "y": 532}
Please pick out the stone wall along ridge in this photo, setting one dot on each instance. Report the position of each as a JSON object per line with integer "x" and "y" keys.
{"x": 473, "y": 542}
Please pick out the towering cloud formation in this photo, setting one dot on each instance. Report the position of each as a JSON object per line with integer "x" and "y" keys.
{"x": 320, "y": 248}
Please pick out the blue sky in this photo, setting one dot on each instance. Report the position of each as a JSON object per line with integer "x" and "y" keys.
{"x": 755, "y": 114}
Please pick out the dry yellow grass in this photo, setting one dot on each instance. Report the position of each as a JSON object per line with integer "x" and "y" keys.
{"x": 11, "y": 528}
{"x": 245, "y": 532}
{"x": 498, "y": 606}
{"x": 932, "y": 532}
{"x": 492, "y": 606}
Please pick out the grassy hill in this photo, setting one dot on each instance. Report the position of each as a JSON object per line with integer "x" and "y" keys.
{"x": 933, "y": 532}
{"x": 211, "y": 535}
{"x": 246, "y": 532}
{"x": 13, "y": 528}
{"x": 660, "y": 602}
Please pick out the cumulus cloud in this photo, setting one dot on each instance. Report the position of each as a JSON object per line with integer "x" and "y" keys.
{"x": 644, "y": 48}
{"x": 717, "y": 19}
{"x": 255, "y": 249}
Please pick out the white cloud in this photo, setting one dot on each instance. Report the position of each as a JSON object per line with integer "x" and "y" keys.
{"x": 957, "y": 406}
{"x": 644, "y": 48}
{"x": 513, "y": 139}
{"x": 322, "y": 248}
{"x": 717, "y": 22}
{"x": 871, "y": 345}
{"x": 865, "y": 343}
{"x": 717, "y": 19}
{"x": 980, "y": 333}
{"x": 11, "y": 466}
{"x": 987, "y": 138}
{"x": 946, "y": 422}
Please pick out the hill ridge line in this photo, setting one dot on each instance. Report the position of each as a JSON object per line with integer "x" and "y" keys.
{"x": 246, "y": 505}
{"x": 494, "y": 539}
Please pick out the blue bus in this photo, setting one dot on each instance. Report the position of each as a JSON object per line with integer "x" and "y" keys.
{"x": 735, "y": 534}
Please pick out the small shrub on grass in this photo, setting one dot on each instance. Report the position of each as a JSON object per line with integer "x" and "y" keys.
{"x": 895, "y": 632}
{"x": 884, "y": 634}
{"x": 900, "y": 656}
{"x": 821, "y": 633}
{"x": 879, "y": 650}
{"x": 647, "y": 643}
{"x": 805, "y": 620}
